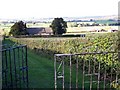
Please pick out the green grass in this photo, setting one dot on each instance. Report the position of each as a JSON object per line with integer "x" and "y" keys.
{"x": 41, "y": 71}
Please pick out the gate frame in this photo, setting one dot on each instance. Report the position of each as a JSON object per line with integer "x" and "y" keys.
{"x": 62, "y": 65}
{"x": 13, "y": 69}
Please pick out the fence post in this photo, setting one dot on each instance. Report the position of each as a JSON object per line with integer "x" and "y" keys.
{"x": 70, "y": 71}
{"x": 83, "y": 74}
{"x": 76, "y": 71}
{"x": 63, "y": 74}
{"x": 0, "y": 62}
{"x": 55, "y": 72}
{"x": 26, "y": 66}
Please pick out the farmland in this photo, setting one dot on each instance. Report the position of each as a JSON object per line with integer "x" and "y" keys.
{"x": 41, "y": 52}
{"x": 93, "y": 43}
{"x": 108, "y": 42}
{"x": 5, "y": 27}
{"x": 47, "y": 47}
{"x": 90, "y": 43}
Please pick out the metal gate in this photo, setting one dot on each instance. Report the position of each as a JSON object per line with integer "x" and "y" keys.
{"x": 14, "y": 67}
{"x": 87, "y": 71}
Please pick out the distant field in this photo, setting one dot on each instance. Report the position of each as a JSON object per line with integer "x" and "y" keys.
{"x": 38, "y": 24}
{"x": 89, "y": 28}
{"x": 6, "y": 27}
{"x": 106, "y": 22}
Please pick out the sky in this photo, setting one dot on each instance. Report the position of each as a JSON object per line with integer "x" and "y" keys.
{"x": 57, "y": 8}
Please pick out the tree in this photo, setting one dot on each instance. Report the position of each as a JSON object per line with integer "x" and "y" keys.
{"x": 19, "y": 28}
{"x": 58, "y": 26}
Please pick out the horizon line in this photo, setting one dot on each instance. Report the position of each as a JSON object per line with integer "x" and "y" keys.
{"x": 57, "y": 17}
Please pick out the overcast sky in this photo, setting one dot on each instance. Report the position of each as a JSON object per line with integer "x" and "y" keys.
{"x": 57, "y": 8}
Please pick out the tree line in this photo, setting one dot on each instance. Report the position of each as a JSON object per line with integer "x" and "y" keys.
{"x": 58, "y": 26}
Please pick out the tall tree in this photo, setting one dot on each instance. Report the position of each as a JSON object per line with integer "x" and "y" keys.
{"x": 19, "y": 28}
{"x": 58, "y": 26}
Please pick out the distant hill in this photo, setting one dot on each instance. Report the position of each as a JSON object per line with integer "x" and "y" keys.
{"x": 111, "y": 17}
{"x": 114, "y": 17}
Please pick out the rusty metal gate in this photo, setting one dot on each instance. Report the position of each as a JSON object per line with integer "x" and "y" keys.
{"x": 14, "y": 67}
{"x": 87, "y": 71}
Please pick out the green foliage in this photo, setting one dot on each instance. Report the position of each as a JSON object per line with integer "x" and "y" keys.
{"x": 19, "y": 28}
{"x": 101, "y": 43}
{"x": 50, "y": 46}
{"x": 58, "y": 26}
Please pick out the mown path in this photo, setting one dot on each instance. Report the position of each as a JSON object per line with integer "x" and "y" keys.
{"x": 41, "y": 71}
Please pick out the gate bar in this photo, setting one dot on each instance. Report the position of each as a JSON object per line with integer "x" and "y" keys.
{"x": 15, "y": 72}
{"x": 70, "y": 72}
{"x": 10, "y": 69}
